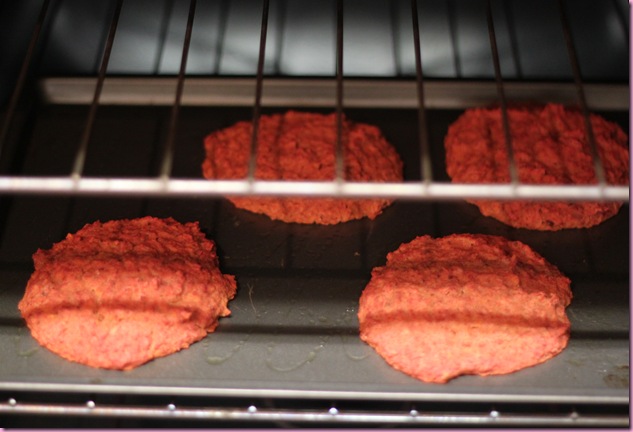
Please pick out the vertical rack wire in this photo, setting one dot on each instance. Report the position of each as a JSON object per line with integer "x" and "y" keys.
{"x": 622, "y": 21}
{"x": 80, "y": 157}
{"x": 259, "y": 82}
{"x": 218, "y": 46}
{"x": 508, "y": 9}
{"x": 168, "y": 155}
{"x": 340, "y": 156}
{"x": 426, "y": 169}
{"x": 162, "y": 35}
{"x": 452, "y": 24}
{"x": 280, "y": 28}
{"x": 17, "y": 90}
{"x": 580, "y": 94}
{"x": 394, "y": 21}
{"x": 501, "y": 95}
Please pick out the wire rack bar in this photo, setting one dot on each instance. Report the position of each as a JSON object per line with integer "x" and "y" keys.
{"x": 168, "y": 155}
{"x": 320, "y": 92}
{"x": 339, "y": 151}
{"x": 80, "y": 156}
{"x": 452, "y": 24}
{"x": 332, "y": 415}
{"x": 411, "y": 191}
{"x": 19, "y": 85}
{"x": 514, "y": 177}
{"x": 259, "y": 83}
{"x": 423, "y": 131}
{"x": 580, "y": 91}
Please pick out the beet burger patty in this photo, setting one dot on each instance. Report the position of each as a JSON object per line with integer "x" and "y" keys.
{"x": 464, "y": 304}
{"x": 117, "y": 294}
{"x": 550, "y": 146}
{"x": 297, "y": 146}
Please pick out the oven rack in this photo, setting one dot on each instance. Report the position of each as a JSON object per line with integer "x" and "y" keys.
{"x": 411, "y": 191}
{"x": 323, "y": 413}
{"x": 337, "y": 93}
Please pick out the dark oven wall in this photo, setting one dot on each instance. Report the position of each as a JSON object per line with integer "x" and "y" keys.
{"x": 302, "y": 38}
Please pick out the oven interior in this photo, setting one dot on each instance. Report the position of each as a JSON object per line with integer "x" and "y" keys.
{"x": 104, "y": 107}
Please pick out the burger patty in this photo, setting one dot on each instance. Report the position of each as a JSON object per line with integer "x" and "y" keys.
{"x": 300, "y": 146}
{"x": 117, "y": 294}
{"x": 464, "y": 304}
{"x": 550, "y": 147}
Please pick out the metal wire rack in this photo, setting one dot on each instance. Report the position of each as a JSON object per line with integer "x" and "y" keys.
{"x": 327, "y": 414}
{"x": 336, "y": 92}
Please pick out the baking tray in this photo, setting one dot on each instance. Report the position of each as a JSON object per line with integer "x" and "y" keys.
{"x": 293, "y": 332}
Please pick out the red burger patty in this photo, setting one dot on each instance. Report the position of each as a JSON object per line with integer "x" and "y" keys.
{"x": 300, "y": 146}
{"x": 117, "y": 294}
{"x": 465, "y": 304}
{"x": 550, "y": 147}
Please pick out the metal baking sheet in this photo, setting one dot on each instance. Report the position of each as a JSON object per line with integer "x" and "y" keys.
{"x": 293, "y": 331}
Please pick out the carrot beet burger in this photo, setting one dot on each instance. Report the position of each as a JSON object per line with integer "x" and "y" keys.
{"x": 550, "y": 146}
{"x": 299, "y": 146}
{"x": 465, "y": 305}
{"x": 117, "y": 294}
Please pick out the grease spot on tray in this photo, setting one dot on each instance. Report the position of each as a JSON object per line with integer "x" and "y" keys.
{"x": 216, "y": 360}
{"x": 354, "y": 348}
{"x": 282, "y": 360}
{"x": 362, "y": 355}
{"x": 24, "y": 351}
{"x": 618, "y": 378}
{"x": 279, "y": 365}
{"x": 575, "y": 362}
{"x": 288, "y": 357}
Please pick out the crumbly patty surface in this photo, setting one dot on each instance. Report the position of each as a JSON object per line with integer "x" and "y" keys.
{"x": 465, "y": 304}
{"x": 117, "y": 294}
{"x": 550, "y": 147}
{"x": 302, "y": 146}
